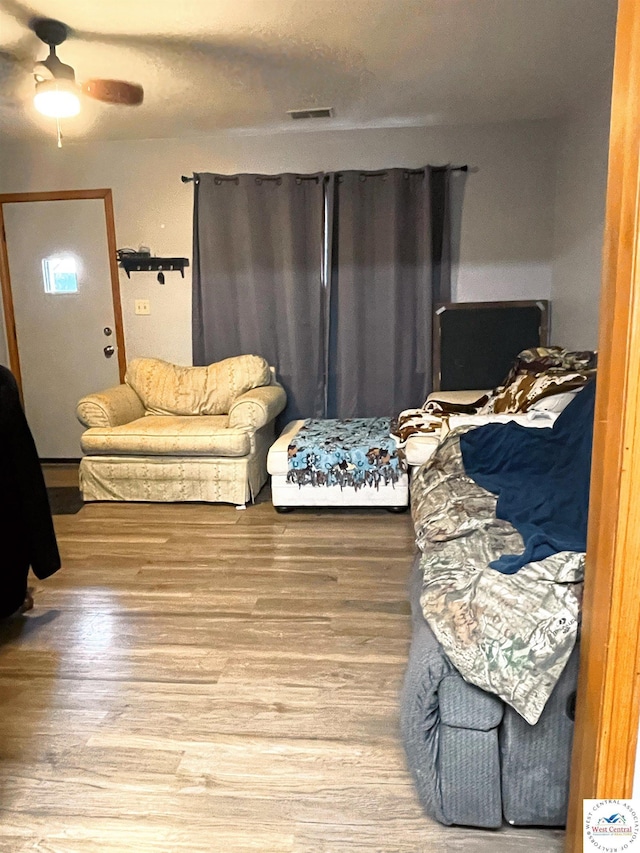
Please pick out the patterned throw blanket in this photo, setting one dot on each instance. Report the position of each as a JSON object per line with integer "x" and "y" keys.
{"x": 537, "y": 373}
{"x": 353, "y": 452}
{"x": 541, "y": 372}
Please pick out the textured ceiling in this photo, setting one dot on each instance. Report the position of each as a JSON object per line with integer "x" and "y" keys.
{"x": 210, "y": 65}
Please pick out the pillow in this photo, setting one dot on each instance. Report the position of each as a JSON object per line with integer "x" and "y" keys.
{"x": 554, "y": 403}
{"x": 169, "y": 389}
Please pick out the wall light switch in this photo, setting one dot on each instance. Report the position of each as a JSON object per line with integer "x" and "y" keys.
{"x": 142, "y": 306}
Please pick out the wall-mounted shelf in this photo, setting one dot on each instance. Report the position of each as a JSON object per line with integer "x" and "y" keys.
{"x": 145, "y": 263}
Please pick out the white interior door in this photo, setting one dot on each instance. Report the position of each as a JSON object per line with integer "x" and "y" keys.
{"x": 63, "y": 304}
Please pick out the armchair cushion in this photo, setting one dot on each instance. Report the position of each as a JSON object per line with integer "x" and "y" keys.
{"x": 258, "y": 406}
{"x": 165, "y": 435}
{"x": 110, "y": 408}
{"x": 169, "y": 389}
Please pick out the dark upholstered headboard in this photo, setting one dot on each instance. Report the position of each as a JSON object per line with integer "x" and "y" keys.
{"x": 474, "y": 343}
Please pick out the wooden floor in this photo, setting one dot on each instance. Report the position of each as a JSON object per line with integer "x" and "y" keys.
{"x": 199, "y": 678}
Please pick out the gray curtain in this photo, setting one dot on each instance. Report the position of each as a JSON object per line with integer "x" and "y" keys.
{"x": 381, "y": 293}
{"x": 258, "y": 249}
{"x": 440, "y": 190}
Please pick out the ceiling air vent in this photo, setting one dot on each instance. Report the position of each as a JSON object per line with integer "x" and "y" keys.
{"x": 314, "y": 112}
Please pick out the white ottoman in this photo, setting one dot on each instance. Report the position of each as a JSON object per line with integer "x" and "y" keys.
{"x": 286, "y": 496}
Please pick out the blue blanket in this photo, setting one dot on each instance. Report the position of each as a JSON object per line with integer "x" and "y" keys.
{"x": 541, "y": 478}
{"x": 353, "y": 452}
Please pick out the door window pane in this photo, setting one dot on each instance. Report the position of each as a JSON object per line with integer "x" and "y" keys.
{"x": 60, "y": 274}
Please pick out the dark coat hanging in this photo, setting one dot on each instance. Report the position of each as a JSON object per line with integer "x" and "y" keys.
{"x": 27, "y": 537}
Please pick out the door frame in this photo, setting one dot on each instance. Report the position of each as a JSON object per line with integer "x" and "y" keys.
{"x": 5, "y": 276}
{"x": 608, "y": 698}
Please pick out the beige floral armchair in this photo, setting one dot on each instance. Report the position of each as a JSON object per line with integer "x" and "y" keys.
{"x": 174, "y": 433}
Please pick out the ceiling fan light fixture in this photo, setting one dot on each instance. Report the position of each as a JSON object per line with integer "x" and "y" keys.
{"x": 57, "y": 99}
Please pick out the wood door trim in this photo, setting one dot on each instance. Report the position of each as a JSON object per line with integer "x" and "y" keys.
{"x": 115, "y": 283}
{"x": 5, "y": 275}
{"x": 7, "y": 302}
{"x": 53, "y": 195}
{"x": 608, "y": 697}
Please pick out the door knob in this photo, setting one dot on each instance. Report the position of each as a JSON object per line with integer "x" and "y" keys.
{"x": 108, "y": 351}
{"x": 107, "y": 331}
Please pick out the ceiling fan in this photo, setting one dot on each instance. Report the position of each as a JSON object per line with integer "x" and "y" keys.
{"x": 57, "y": 93}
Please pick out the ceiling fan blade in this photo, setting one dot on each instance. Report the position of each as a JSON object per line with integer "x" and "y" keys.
{"x": 114, "y": 92}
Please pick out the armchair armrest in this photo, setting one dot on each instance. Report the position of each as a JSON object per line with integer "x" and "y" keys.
{"x": 257, "y": 407}
{"x": 109, "y": 408}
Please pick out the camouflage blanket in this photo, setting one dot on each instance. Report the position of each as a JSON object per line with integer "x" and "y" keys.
{"x": 509, "y": 634}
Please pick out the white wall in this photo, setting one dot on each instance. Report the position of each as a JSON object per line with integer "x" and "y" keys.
{"x": 583, "y": 144}
{"x": 506, "y": 242}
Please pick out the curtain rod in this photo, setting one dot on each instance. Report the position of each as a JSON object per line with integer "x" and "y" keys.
{"x": 187, "y": 180}
{"x": 464, "y": 168}
{"x": 194, "y": 179}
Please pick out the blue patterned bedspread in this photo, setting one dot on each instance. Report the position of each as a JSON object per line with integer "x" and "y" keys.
{"x": 353, "y": 452}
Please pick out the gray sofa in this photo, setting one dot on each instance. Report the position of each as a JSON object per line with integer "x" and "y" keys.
{"x": 474, "y": 759}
